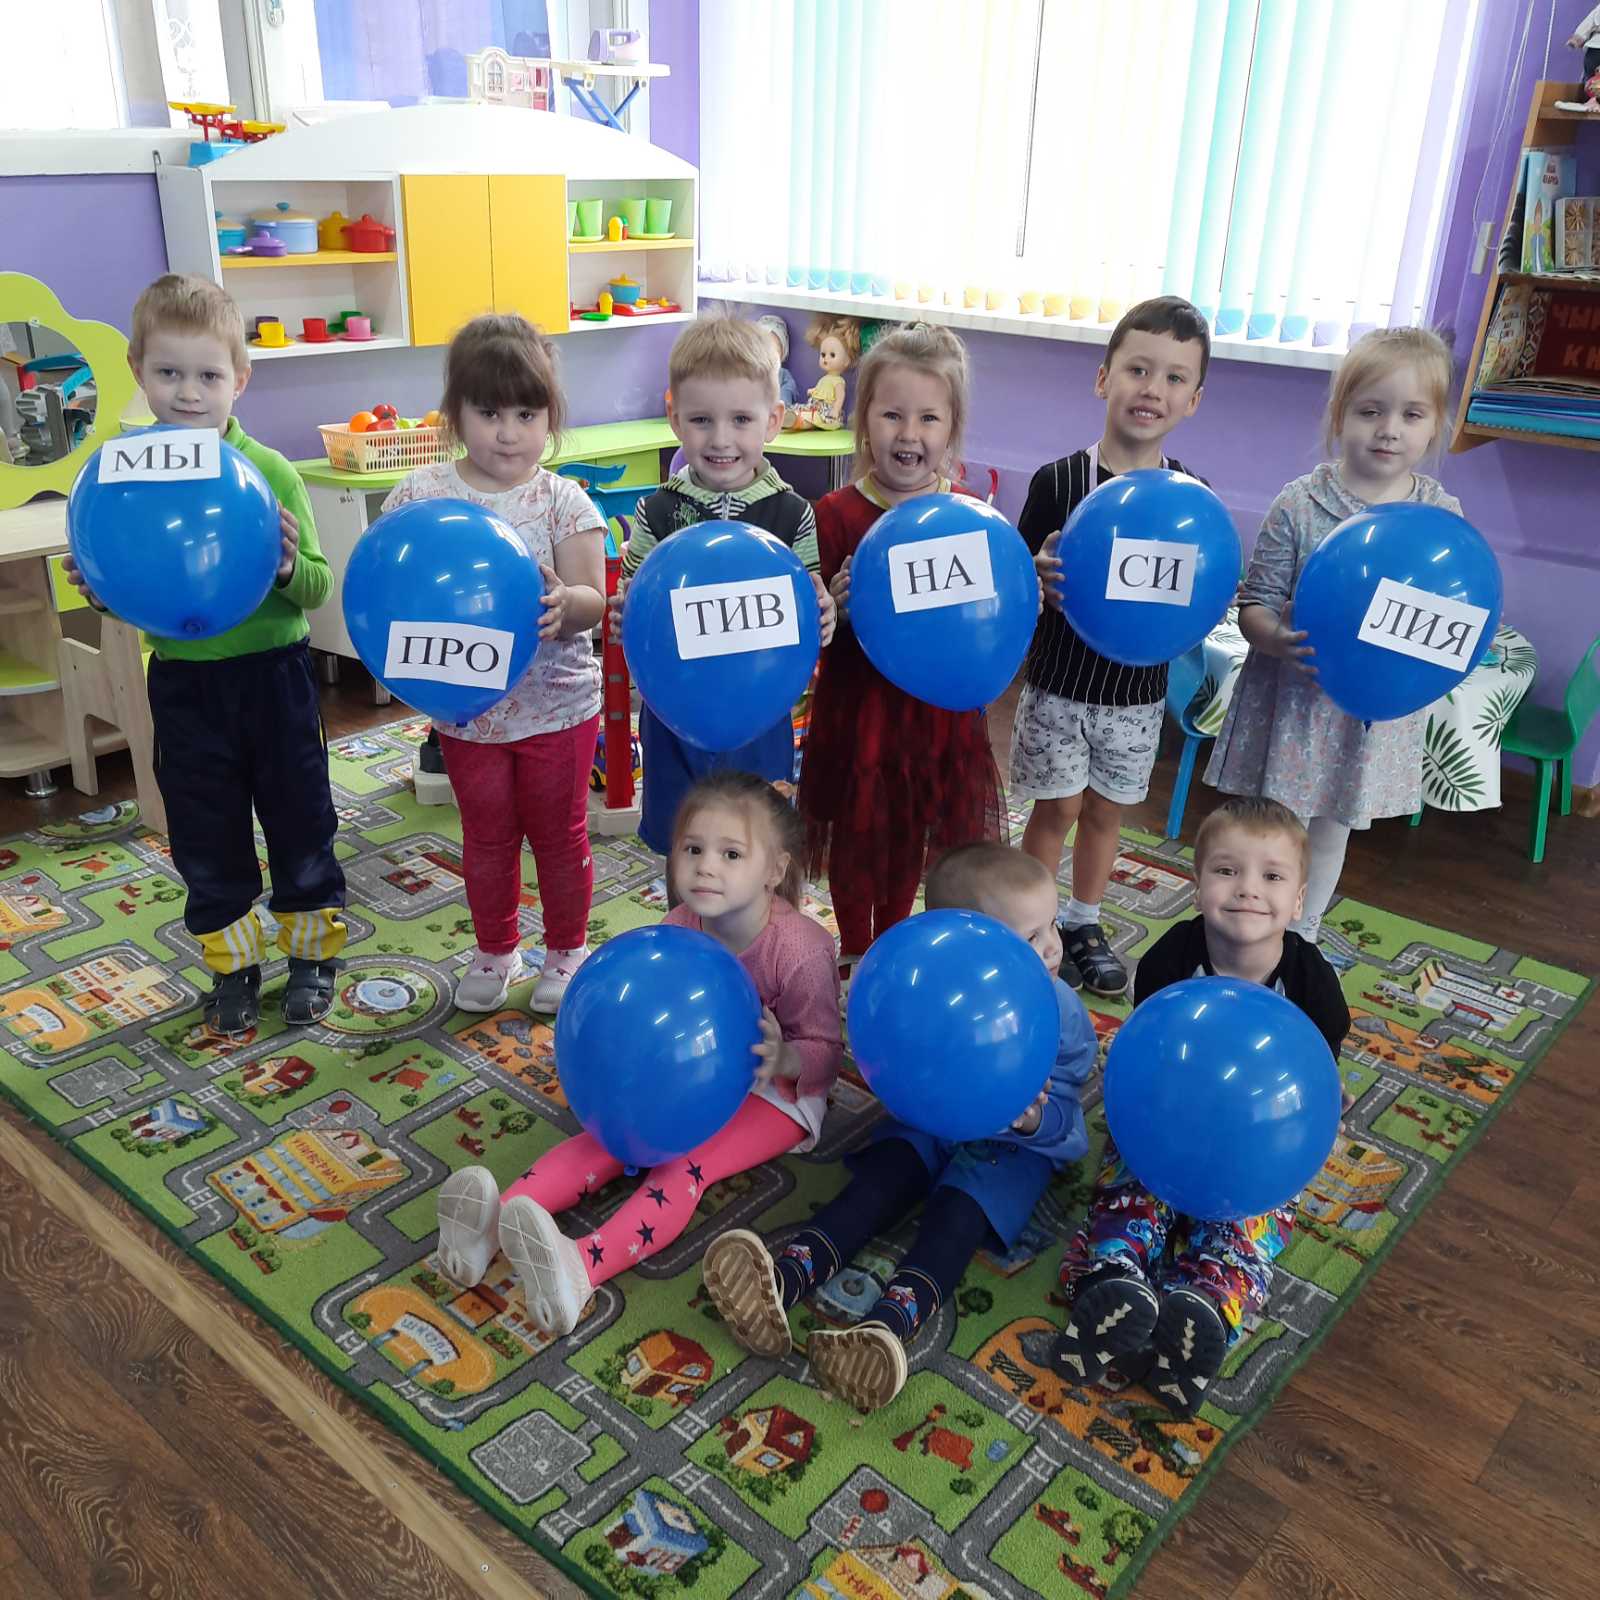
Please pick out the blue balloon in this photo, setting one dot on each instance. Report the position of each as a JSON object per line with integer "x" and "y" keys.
{"x": 959, "y": 654}
{"x": 182, "y": 558}
{"x": 1432, "y": 554}
{"x": 954, "y": 1023}
{"x": 655, "y": 1042}
{"x": 1222, "y": 1096}
{"x": 719, "y": 701}
{"x": 1128, "y": 602}
{"x": 442, "y": 602}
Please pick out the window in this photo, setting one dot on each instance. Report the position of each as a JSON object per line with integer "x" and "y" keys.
{"x": 1278, "y": 162}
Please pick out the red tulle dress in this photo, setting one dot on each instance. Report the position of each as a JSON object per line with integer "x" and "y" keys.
{"x": 887, "y": 778}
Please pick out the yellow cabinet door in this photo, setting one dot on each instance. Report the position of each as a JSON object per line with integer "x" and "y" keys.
{"x": 528, "y": 227}
{"x": 448, "y": 270}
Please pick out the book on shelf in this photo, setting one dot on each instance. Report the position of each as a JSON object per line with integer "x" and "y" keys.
{"x": 1577, "y": 233}
{"x": 1542, "y": 339}
{"x": 1547, "y": 177}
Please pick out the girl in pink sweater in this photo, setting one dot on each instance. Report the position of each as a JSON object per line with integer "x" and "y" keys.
{"x": 736, "y": 852}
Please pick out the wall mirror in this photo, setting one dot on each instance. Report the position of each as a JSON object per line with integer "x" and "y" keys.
{"x": 64, "y": 385}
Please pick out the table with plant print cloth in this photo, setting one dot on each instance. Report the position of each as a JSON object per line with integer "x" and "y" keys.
{"x": 1461, "y": 747}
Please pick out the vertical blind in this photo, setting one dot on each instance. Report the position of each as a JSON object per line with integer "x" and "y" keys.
{"x": 1278, "y": 162}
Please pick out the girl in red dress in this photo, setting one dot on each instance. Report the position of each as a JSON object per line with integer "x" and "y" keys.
{"x": 888, "y": 778}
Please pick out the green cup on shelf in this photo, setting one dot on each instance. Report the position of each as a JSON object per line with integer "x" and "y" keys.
{"x": 657, "y": 217}
{"x": 632, "y": 213}
{"x": 572, "y": 217}
{"x": 588, "y": 219}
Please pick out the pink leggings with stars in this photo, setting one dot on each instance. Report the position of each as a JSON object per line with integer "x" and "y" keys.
{"x": 663, "y": 1204}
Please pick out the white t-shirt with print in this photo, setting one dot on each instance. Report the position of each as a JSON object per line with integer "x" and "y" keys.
{"x": 561, "y": 687}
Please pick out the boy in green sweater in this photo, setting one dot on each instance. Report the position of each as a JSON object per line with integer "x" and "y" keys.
{"x": 237, "y": 722}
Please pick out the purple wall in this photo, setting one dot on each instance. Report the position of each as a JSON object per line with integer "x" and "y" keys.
{"x": 1256, "y": 428}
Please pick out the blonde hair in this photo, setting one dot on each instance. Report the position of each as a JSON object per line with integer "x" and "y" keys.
{"x": 972, "y": 876}
{"x": 1376, "y": 354}
{"x": 187, "y": 304}
{"x": 1254, "y": 814}
{"x": 499, "y": 362}
{"x": 725, "y": 347}
{"x": 774, "y": 824}
{"x": 925, "y": 348}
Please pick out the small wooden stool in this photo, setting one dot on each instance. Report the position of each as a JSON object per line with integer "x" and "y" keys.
{"x": 108, "y": 683}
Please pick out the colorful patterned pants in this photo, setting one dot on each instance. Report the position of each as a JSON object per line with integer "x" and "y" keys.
{"x": 1228, "y": 1262}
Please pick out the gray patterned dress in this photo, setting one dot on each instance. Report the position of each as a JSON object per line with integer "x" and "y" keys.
{"x": 1283, "y": 737}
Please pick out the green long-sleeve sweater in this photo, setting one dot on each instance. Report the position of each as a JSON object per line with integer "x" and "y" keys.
{"x": 280, "y": 619}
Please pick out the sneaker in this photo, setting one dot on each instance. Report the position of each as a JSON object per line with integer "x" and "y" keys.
{"x": 1190, "y": 1341}
{"x": 308, "y": 994}
{"x": 560, "y": 966}
{"x": 469, "y": 1224}
{"x": 233, "y": 1007}
{"x": 865, "y": 1366}
{"x": 1067, "y": 972}
{"x": 738, "y": 1274}
{"x": 430, "y": 757}
{"x": 1113, "y": 1314}
{"x": 487, "y": 981}
{"x": 1086, "y": 948}
{"x": 549, "y": 1266}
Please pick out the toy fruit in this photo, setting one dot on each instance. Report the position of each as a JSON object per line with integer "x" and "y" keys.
{"x": 408, "y": 422}
{"x": 431, "y": 420}
{"x": 362, "y": 422}
{"x": 384, "y": 425}
{"x": 385, "y": 413}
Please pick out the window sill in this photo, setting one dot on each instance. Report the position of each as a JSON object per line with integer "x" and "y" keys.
{"x": 1229, "y": 347}
{"x": 78, "y": 151}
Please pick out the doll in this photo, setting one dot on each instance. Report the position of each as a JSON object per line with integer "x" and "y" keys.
{"x": 837, "y": 341}
{"x": 788, "y": 389}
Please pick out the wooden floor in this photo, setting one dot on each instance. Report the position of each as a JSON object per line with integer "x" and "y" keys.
{"x": 1441, "y": 1444}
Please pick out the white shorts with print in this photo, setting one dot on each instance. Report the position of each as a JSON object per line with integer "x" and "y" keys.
{"x": 1060, "y": 746}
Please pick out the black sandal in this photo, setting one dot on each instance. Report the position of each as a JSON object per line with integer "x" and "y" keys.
{"x": 308, "y": 994}
{"x": 233, "y": 1007}
{"x": 1088, "y": 949}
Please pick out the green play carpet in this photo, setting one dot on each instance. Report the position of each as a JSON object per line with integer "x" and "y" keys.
{"x": 648, "y": 1454}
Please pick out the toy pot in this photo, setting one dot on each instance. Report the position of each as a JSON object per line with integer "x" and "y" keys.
{"x": 624, "y": 291}
{"x": 297, "y": 231}
{"x": 368, "y": 236}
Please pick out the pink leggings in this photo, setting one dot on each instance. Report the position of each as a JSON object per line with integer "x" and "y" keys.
{"x": 661, "y": 1207}
{"x": 535, "y": 788}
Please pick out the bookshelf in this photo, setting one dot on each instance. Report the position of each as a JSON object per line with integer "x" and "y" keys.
{"x": 1547, "y": 128}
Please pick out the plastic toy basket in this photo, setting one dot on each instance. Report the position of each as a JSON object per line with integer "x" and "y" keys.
{"x": 381, "y": 450}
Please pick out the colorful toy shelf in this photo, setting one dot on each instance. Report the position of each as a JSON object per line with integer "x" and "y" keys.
{"x": 319, "y": 258}
{"x": 488, "y": 231}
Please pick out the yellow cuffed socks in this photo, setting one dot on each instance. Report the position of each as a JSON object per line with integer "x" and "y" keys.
{"x": 311, "y": 935}
{"x": 241, "y": 944}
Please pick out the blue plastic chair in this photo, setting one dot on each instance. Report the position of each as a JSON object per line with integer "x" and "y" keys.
{"x": 618, "y": 502}
{"x": 1184, "y": 678}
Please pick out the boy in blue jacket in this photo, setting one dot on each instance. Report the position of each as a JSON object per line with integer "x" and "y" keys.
{"x": 978, "y": 1193}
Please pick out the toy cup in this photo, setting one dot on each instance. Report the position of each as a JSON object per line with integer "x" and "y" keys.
{"x": 357, "y": 328}
{"x": 314, "y": 330}
{"x": 632, "y": 213}
{"x": 270, "y": 335}
{"x": 657, "y": 216}
{"x": 589, "y": 219}
{"x": 264, "y": 319}
{"x": 572, "y": 217}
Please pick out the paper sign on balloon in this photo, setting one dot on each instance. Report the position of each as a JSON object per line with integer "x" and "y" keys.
{"x": 166, "y": 455}
{"x": 1428, "y": 627}
{"x": 951, "y": 571}
{"x": 729, "y": 619}
{"x": 1155, "y": 571}
{"x": 449, "y": 652}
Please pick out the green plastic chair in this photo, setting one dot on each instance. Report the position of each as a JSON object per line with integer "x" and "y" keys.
{"x": 1549, "y": 738}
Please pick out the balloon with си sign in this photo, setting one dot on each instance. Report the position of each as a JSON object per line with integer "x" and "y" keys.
{"x": 721, "y": 632}
{"x": 943, "y": 598}
{"x": 442, "y": 602}
{"x": 1149, "y": 566}
{"x": 175, "y": 531}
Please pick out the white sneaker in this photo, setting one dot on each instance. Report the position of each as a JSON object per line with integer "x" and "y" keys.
{"x": 469, "y": 1224}
{"x": 559, "y": 968}
{"x": 487, "y": 981}
{"x": 548, "y": 1263}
